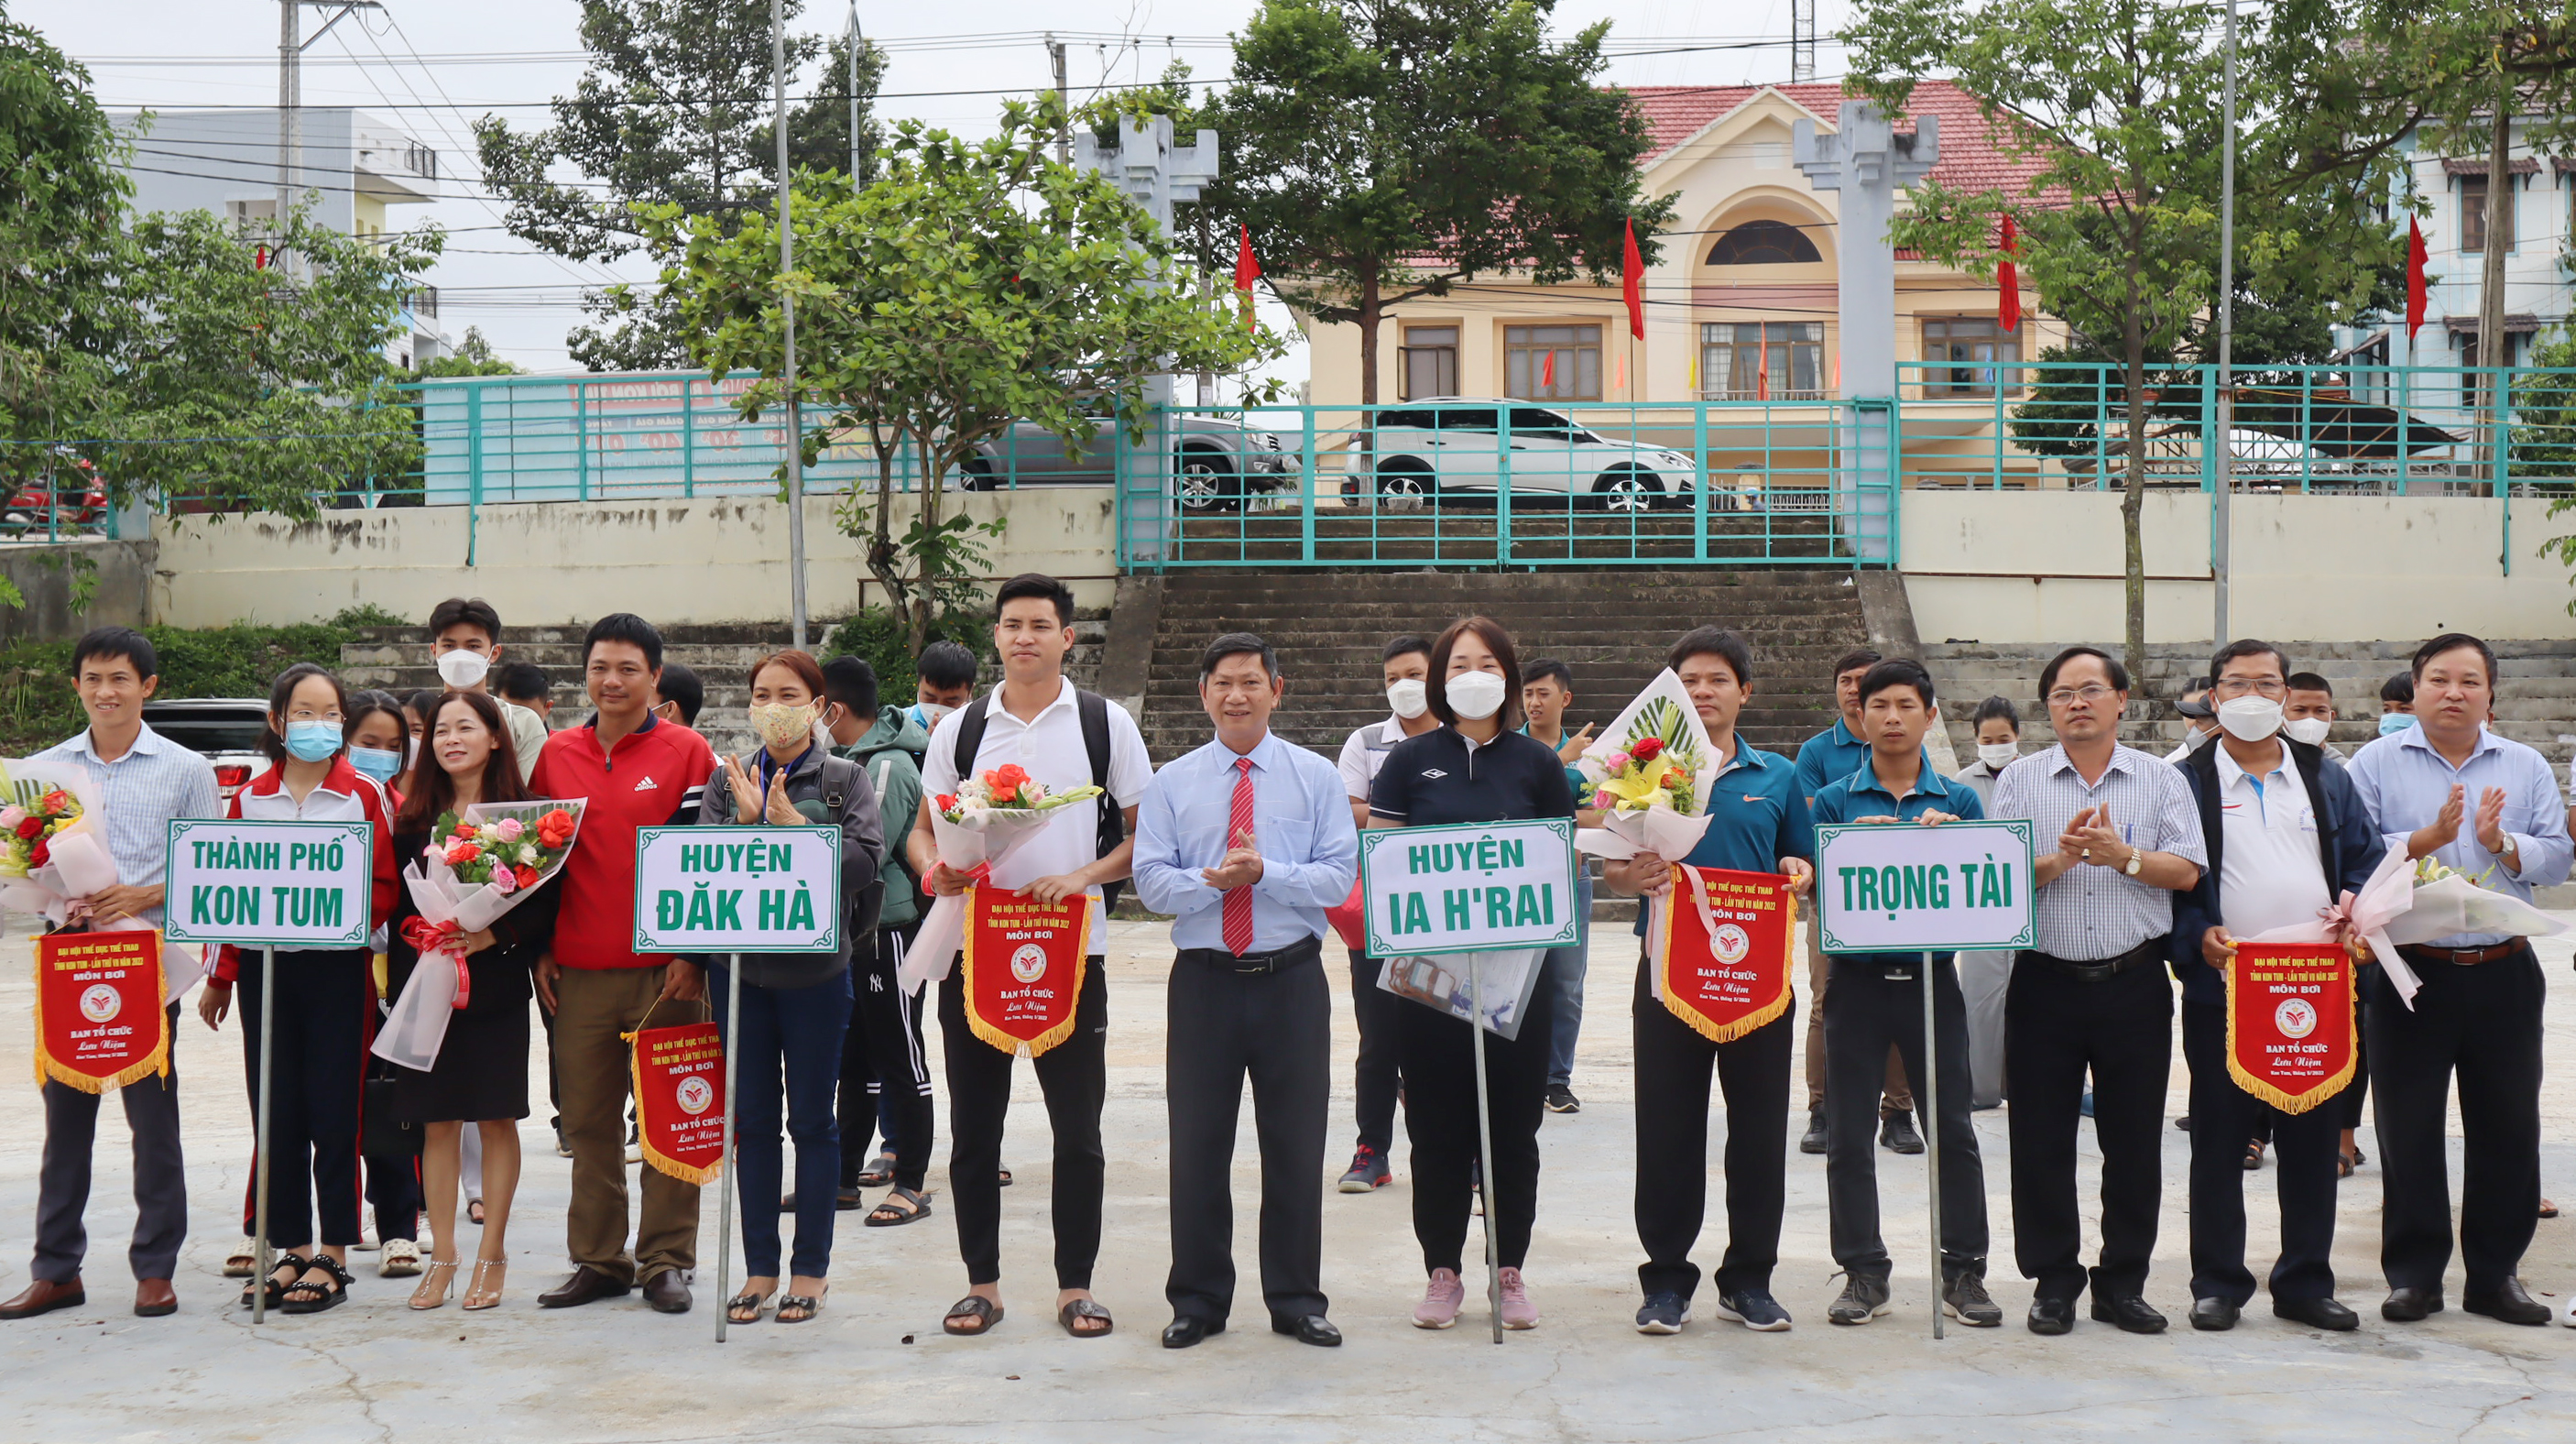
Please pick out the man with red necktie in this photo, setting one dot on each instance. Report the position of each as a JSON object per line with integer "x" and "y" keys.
{"x": 1246, "y": 842}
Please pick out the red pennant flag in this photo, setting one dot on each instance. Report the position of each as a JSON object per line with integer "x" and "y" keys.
{"x": 2415, "y": 258}
{"x": 1632, "y": 281}
{"x": 1547, "y": 371}
{"x": 1246, "y": 271}
{"x": 2008, "y": 277}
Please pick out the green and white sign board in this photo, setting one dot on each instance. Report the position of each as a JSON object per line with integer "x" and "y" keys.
{"x": 270, "y": 884}
{"x": 1907, "y": 888}
{"x": 1470, "y": 887}
{"x": 737, "y": 889}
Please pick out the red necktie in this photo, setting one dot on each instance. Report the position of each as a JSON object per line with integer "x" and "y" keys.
{"x": 1238, "y": 900}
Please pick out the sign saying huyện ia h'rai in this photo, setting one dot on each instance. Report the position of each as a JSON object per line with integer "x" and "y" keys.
{"x": 1470, "y": 887}
{"x": 737, "y": 889}
{"x": 1908, "y": 888}
{"x": 270, "y": 884}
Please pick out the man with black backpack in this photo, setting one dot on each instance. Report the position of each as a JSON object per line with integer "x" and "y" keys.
{"x": 1064, "y": 739}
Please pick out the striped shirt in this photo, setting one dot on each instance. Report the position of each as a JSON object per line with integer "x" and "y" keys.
{"x": 2090, "y": 913}
{"x": 155, "y": 781}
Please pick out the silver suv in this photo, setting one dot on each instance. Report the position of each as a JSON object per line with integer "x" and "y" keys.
{"x": 1448, "y": 444}
{"x": 1216, "y": 463}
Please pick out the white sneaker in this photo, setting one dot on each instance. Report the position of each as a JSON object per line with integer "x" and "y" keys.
{"x": 237, "y": 1264}
{"x": 401, "y": 1260}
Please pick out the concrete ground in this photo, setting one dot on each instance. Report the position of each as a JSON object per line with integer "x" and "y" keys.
{"x": 875, "y": 1366}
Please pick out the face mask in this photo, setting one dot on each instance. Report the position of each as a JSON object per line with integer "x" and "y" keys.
{"x": 411, "y": 752}
{"x": 931, "y": 712}
{"x": 2392, "y": 723}
{"x": 2249, "y": 719}
{"x": 376, "y": 762}
{"x": 1475, "y": 696}
{"x": 1997, "y": 755}
{"x": 1410, "y": 697}
{"x": 2310, "y": 730}
{"x": 312, "y": 741}
{"x": 780, "y": 723}
{"x": 461, "y": 669}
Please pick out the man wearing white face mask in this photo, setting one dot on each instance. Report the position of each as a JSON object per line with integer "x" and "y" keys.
{"x": 2308, "y": 715}
{"x": 1407, "y": 668}
{"x": 465, "y": 640}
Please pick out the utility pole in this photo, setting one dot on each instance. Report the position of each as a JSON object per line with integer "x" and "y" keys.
{"x": 1064, "y": 100}
{"x": 2219, "y": 561}
{"x": 787, "y": 310}
{"x": 291, "y": 46}
{"x": 856, "y": 40}
{"x": 1802, "y": 40}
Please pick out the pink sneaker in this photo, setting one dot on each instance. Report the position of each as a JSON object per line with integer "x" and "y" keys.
{"x": 1441, "y": 1301}
{"x": 1518, "y": 1311}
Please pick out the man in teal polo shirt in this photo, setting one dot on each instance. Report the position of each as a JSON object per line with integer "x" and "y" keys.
{"x": 1877, "y": 1001}
{"x": 1757, "y": 823}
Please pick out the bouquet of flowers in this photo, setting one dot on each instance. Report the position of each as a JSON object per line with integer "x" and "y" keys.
{"x": 1649, "y": 774}
{"x": 479, "y": 864}
{"x": 978, "y": 827}
{"x": 53, "y": 855}
{"x": 27, "y": 831}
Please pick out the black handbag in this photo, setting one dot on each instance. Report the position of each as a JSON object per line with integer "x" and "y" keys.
{"x": 384, "y": 1134}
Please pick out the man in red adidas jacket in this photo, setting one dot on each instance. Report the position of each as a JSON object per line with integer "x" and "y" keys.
{"x": 634, "y": 770}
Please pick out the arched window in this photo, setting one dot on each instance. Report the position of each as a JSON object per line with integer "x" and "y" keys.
{"x": 1763, "y": 243}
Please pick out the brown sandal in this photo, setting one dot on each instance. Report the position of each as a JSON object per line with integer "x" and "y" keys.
{"x": 1085, "y": 1309}
{"x": 971, "y": 1316}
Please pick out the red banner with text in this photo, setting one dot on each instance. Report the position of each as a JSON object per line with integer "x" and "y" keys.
{"x": 679, "y": 1100}
{"x": 99, "y": 1022}
{"x": 1023, "y": 963}
{"x": 1722, "y": 964}
{"x": 2290, "y": 1022}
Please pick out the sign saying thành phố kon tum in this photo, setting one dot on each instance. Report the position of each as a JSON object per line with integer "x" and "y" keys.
{"x": 737, "y": 889}
{"x": 1470, "y": 887}
{"x": 1906, "y": 888}
{"x": 273, "y": 884}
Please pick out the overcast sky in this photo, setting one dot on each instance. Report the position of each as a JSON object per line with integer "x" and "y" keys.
{"x": 439, "y": 66}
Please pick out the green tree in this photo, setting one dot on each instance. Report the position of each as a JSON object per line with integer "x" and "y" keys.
{"x": 972, "y": 284}
{"x": 1383, "y": 150}
{"x": 473, "y": 357}
{"x": 675, "y": 111}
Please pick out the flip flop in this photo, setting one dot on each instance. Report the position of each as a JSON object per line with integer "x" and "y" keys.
{"x": 971, "y": 1316}
{"x": 890, "y": 1213}
{"x": 743, "y": 1301}
{"x": 1085, "y": 1309}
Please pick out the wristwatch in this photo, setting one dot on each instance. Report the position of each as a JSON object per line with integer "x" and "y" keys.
{"x": 2137, "y": 860}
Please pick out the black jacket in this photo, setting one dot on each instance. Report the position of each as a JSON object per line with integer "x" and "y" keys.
{"x": 2349, "y": 847}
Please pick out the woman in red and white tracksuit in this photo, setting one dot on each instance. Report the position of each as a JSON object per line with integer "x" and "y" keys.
{"x": 325, "y": 1006}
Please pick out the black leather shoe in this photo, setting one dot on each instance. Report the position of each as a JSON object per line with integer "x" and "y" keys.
{"x": 2506, "y": 1303}
{"x": 586, "y": 1285}
{"x": 2052, "y": 1316}
{"x": 2133, "y": 1314}
{"x": 1187, "y": 1329}
{"x": 1309, "y": 1329}
{"x": 2410, "y": 1305}
{"x": 2217, "y": 1316}
{"x": 667, "y": 1292}
{"x": 1897, "y": 1134}
{"x": 1814, "y": 1139}
{"x": 2321, "y": 1314}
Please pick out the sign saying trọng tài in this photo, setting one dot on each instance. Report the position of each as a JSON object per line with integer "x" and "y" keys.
{"x": 737, "y": 889}
{"x": 1470, "y": 887}
{"x": 1904, "y": 887}
{"x": 276, "y": 884}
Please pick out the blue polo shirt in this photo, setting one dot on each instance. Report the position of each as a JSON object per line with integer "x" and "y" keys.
{"x": 1862, "y": 795}
{"x": 1756, "y": 816}
{"x": 1829, "y": 756}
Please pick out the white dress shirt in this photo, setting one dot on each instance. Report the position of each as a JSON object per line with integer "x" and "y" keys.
{"x": 1301, "y": 825}
{"x": 1049, "y": 749}
{"x": 2404, "y": 783}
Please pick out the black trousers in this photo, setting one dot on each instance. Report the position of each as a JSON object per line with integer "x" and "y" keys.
{"x": 885, "y": 1069}
{"x": 324, "y": 1014}
{"x": 2482, "y": 1023}
{"x": 1674, "y": 1063}
{"x": 2056, "y": 1029}
{"x": 1074, "y": 1077}
{"x": 1377, "y": 1079}
{"x": 1434, "y": 1050}
{"x": 1277, "y": 1029}
{"x": 1865, "y": 1012}
{"x": 2304, "y": 1157}
{"x": 160, "y": 1179}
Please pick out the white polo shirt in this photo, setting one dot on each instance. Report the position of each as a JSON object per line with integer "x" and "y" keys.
{"x": 2269, "y": 873}
{"x": 1049, "y": 749}
{"x": 1365, "y": 752}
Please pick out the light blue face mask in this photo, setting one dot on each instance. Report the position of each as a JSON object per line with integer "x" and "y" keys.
{"x": 376, "y": 762}
{"x": 2392, "y": 723}
{"x": 312, "y": 741}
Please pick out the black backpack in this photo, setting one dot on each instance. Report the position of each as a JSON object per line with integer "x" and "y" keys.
{"x": 843, "y": 779}
{"x": 1093, "y": 710}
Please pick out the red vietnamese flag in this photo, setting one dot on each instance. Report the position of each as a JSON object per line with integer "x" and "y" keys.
{"x": 1632, "y": 281}
{"x": 2008, "y": 277}
{"x": 1547, "y": 372}
{"x": 2415, "y": 288}
{"x": 1246, "y": 271}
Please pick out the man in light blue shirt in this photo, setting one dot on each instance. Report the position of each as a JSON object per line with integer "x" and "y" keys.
{"x": 1246, "y": 842}
{"x": 2449, "y": 788}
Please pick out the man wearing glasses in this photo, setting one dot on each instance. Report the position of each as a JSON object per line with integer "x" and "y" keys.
{"x": 2094, "y": 994}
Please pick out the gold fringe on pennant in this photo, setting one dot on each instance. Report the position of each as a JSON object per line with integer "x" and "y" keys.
{"x": 1032, "y": 1047}
{"x": 687, "y": 1173}
{"x": 2323, "y": 1088}
{"x": 1700, "y": 1023}
{"x": 157, "y": 1061}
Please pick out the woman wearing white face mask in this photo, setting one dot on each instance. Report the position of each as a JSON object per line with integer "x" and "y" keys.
{"x": 1984, "y": 978}
{"x": 795, "y": 1006}
{"x": 1475, "y": 768}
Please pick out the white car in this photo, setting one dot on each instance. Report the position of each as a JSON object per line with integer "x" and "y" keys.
{"x": 1451, "y": 444}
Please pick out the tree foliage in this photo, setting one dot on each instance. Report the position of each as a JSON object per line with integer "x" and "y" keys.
{"x": 1383, "y": 150}
{"x": 473, "y": 357}
{"x": 674, "y": 112}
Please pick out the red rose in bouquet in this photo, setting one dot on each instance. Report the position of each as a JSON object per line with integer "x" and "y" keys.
{"x": 1006, "y": 781}
{"x": 945, "y": 802}
{"x": 32, "y": 828}
{"x": 54, "y": 802}
{"x": 465, "y": 829}
{"x": 1647, "y": 749}
{"x": 41, "y": 853}
{"x": 462, "y": 853}
{"x": 554, "y": 829}
{"x": 527, "y": 877}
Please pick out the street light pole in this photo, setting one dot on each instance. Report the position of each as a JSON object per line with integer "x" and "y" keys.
{"x": 2226, "y": 470}
{"x": 787, "y": 311}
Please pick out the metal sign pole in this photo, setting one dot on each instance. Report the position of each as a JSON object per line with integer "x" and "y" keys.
{"x": 1929, "y": 1091}
{"x": 1484, "y": 1139}
{"x": 725, "y": 1181}
{"x": 259, "y": 1146}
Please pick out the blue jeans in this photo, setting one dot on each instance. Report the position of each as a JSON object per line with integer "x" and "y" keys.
{"x": 1565, "y": 970}
{"x": 797, "y": 1031}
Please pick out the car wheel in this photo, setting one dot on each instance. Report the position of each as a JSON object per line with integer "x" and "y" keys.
{"x": 1207, "y": 484}
{"x": 1405, "y": 483}
{"x": 1627, "y": 490}
{"x": 977, "y": 475}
